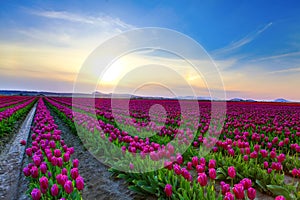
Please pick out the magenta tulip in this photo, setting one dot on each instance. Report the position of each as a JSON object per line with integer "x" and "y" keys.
{"x": 168, "y": 190}
{"x": 36, "y": 194}
{"x": 231, "y": 172}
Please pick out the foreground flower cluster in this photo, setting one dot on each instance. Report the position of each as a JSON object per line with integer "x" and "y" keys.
{"x": 258, "y": 144}
{"x": 51, "y": 172}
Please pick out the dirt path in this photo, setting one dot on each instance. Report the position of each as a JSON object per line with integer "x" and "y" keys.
{"x": 11, "y": 160}
{"x": 98, "y": 181}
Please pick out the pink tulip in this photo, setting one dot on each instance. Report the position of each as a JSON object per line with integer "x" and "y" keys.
{"x": 228, "y": 196}
{"x": 34, "y": 172}
{"x": 57, "y": 153}
{"x": 79, "y": 183}
{"x": 225, "y": 187}
{"x": 168, "y": 190}
{"x": 36, "y": 194}
{"x": 202, "y": 179}
{"x": 212, "y": 173}
{"x": 280, "y": 198}
{"x": 238, "y": 191}
{"x": 23, "y": 142}
{"x": 54, "y": 190}
{"x": 251, "y": 192}
{"x": 68, "y": 186}
{"x": 75, "y": 163}
{"x": 195, "y": 161}
{"x": 26, "y": 171}
{"x": 231, "y": 172}
{"x": 74, "y": 173}
{"x": 246, "y": 182}
{"x": 212, "y": 163}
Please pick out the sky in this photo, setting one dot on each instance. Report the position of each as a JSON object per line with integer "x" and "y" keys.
{"x": 254, "y": 44}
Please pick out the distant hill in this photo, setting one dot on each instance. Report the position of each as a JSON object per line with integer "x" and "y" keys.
{"x": 237, "y": 99}
{"x": 281, "y": 100}
{"x": 242, "y": 100}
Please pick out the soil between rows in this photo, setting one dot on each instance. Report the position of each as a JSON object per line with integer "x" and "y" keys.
{"x": 98, "y": 181}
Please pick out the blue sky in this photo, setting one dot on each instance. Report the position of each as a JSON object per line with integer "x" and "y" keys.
{"x": 256, "y": 44}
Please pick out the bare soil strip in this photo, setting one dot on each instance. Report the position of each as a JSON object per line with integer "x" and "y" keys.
{"x": 11, "y": 160}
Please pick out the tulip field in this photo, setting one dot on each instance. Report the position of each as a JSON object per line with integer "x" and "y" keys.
{"x": 254, "y": 154}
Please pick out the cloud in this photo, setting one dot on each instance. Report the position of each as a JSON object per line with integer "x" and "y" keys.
{"x": 103, "y": 20}
{"x": 238, "y": 44}
{"x": 290, "y": 70}
{"x": 278, "y": 56}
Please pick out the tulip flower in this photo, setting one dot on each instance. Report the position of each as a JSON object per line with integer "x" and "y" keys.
{"x": 238, "y": 191}
{"x": 79, "y": 183}
{"x": 202, "y": 179}
{"x": 36, "y": 160}
{"x": 75, "y": 163}
{"x": 228, "y": 196}
{"x": 179, "y": 159}
{"x": 251, "y": 193}
{"x": 23, "y": 142}
{"x": 34, "y": 172}
{"x": 177, "y": 169}
{"x": 195, "y": 161}
{"x": 57, "y": 153}
{"x": 266, "y": 164}
{"x": 66, "y": 157}
{"x": 26, "y": 171}
{"x": 212, "y": 173}
{"x": 246, "y": 182}
{"x": 279, "y": 198}
{"x": 54, "y": 190}
{"x": 225, "y": 187}
{"x": 68, "y": 186}
{"x": 212, "y": 163}
{"x": 74, "y": 173}
{"x": 189, "y": 165}
{"x": 36, "y": 194}
{"x": 44, "y": 182}
{"x": 231, "y": 172}
{"x": 168, "y": 190}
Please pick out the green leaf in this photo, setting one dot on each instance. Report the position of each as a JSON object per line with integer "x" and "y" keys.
{"x": 261, "y": 185}
{"x": 136, "y": 189}
{"x": 279, "y": 190}
{"x": 149, "y": 189}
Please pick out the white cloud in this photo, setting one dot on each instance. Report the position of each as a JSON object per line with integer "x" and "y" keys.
{"x": 103, "y": 20}
{"x": 290, "y": 70}
{"x": 247, "y": 39}
{"x": 291, "y": 54}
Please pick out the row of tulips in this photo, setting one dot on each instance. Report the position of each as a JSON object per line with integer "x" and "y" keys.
{"x": 10, "y": 111}
{"x": 12, "y": 101}
{"x": 10, "y": 116}
{"x": 51, "y": 172}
